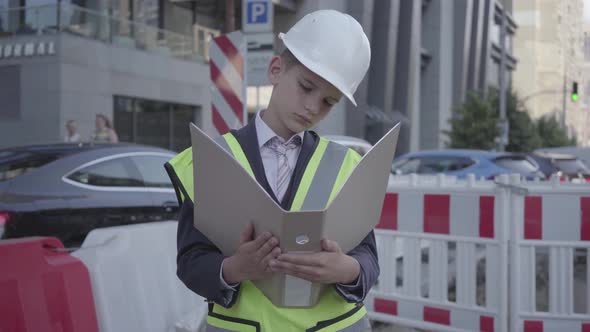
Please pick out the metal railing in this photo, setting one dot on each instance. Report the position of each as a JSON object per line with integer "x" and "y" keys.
{"x": 72, "y": 19}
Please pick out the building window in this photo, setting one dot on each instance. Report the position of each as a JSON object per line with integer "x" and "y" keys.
{"x": 154, "y": 122}
{"x": 508, "y": 43}
{"x": 494, "y": 74}
{"x": 495, "y": 33}
{"x": 147, "y": 12}
{"x": 178, "y": 18}
{"x": 10, "y": 93}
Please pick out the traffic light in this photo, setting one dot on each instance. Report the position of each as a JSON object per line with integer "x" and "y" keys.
{"x": 574, "y": 96}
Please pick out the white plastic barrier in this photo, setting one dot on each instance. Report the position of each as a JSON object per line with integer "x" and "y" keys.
{"x": 133, "y": 275}
{"x": 443, "y": 255}
{"x": 551, "y": 241}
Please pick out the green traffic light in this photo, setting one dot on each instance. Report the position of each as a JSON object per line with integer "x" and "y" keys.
{"x": 574, "y": 97}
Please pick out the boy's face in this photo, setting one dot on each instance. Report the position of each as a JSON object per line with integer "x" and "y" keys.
{"x": 300, "y": 98}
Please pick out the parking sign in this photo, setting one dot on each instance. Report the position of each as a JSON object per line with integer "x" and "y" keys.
{"x": 257, "y": 16}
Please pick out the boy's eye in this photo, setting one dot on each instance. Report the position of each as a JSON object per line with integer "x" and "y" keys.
{"x": 305, "y": 88}
{"x": 329, "y": 104}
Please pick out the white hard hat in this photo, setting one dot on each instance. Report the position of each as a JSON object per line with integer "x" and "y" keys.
{"x": 334, "y": 46}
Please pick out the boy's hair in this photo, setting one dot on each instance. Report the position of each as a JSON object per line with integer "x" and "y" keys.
{"x": 289, "y": 59}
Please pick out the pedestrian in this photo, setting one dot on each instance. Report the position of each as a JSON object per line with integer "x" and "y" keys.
{"x": 104, "y": 132}
{"x": 327, "y": 55}
{"x": 72, "y": 136}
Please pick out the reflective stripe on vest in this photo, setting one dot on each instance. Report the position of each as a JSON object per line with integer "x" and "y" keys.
{"x": 361, "y": 324}
{"x": 319, "y": 185}
{"x": 180, "y": 170}
{"x": 231, "y": 145}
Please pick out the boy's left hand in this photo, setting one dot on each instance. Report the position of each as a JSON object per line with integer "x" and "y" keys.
{"x": 330, "y": 266}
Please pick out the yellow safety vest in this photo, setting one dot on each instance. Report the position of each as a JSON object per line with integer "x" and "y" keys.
{"x": 252, "y": 311}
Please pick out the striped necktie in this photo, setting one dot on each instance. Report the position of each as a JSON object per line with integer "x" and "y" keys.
{"x": 284, "y": 171}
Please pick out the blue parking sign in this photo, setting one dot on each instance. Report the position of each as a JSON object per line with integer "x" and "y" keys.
{"x": 257, "y": 16}
{"x": 257, "y": 12}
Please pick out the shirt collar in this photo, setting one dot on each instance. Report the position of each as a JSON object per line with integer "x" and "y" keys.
{"x": 264, "y": 133}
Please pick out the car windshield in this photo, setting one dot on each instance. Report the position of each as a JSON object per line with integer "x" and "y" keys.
{"x": 516, "y": 163}
{"x": 15, "y": 163}
{"x": 571, "y": 166}
{"x": 405, "y": 166}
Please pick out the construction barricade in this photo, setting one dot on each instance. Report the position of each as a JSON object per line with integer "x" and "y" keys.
{"x": 443, "y": 254}
{"x": 133, "y": 274}
{"x": 43, "y": 288}
{"x": 550, "y": 228}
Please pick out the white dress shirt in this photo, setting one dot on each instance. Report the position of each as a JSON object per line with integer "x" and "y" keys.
{"x": 270, "y": 160}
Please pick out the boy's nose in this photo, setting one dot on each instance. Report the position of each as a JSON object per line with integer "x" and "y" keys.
{"x": 311, "y": 107}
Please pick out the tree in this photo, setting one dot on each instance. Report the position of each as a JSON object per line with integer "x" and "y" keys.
{"x": 551, "y": 133}
{"x": 474, "y": 124}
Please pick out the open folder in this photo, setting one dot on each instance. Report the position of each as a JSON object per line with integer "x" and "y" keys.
{"x": 227, "y": 198}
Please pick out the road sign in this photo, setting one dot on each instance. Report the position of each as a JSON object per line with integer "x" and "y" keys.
{"x": 257, "y": 16}
{"x": 228, "y": 90}
{"x": 260, "y": 52}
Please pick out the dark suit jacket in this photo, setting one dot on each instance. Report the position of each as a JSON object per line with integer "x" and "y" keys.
{"x": 199, "y": 260}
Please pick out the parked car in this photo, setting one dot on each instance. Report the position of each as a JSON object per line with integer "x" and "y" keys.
{"x": 566, "y": 166}
{"x": 583, "y": 153}
{"x": 66, "y": 190}
{"x": 460, "y": 163}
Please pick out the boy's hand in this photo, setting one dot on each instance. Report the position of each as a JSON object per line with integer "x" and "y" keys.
{"x": 330, "y": 266}
{"x": 250, "y": 262}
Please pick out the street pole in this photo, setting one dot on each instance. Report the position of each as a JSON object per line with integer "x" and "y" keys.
{"x": 58, "y": 15}
{"x": 230, "y": 16}
{"x": 503, "y": 70}
{"x": 564, "y": 101}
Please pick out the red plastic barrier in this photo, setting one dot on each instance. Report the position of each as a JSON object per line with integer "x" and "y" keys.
{"x": 43, "y": 290}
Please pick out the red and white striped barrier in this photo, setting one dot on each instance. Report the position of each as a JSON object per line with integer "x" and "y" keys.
{"x": 43, "y": 288}
{"x": 228, "y": 88}
{"x": 551, "y": 236}
{"x": 443, "y": 256}
{"x": 445, "y": 249}
{"x": 557, "y": 325}
{"x": 122, "y": 279}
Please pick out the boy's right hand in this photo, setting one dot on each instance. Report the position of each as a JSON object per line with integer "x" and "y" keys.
{"x": 250, "y": 262}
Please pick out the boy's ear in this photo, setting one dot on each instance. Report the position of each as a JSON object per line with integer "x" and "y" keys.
{"x": 275, "y": 67}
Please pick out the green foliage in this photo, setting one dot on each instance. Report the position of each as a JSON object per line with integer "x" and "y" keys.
{"x": 551, "y": 133}
{"x": 473, "y": 125}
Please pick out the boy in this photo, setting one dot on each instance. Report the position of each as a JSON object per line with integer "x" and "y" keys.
{"x": 327, "y": 55}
